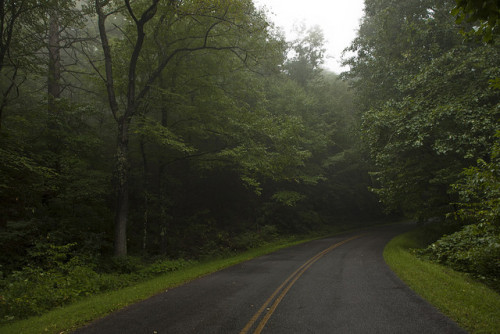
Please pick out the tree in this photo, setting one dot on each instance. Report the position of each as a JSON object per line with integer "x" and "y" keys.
{"x": 331, "y": 185}
{"x": 208, "y": 27}
{"x": 421, "y": 143}
{"x": 478, "y": 187}
{"x": 18, "y": 44}
{"x": 394, "y": 39}
{"x": 419, "y": 134}
{"x": 306, "y": 54}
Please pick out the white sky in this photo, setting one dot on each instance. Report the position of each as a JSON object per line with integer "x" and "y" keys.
{"x": 339, "y": 20}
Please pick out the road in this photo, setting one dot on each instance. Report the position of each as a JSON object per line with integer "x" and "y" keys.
{"x": 334, "y": 285}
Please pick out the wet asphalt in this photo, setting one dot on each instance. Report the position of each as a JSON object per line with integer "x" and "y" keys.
{"x": 349, "y": 289}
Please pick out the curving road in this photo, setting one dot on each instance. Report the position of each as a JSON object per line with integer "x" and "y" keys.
{"x": 334, "y": 285}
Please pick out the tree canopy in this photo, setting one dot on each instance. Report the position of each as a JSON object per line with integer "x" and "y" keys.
{"x": 174, "y": 129}
{"x": 429, "y": 111}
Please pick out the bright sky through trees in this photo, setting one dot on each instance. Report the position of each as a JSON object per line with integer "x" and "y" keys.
{"x": 339, "y": 20}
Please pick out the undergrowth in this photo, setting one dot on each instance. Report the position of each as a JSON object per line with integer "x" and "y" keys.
{"x": 35, "y": 290}
{"x": 474, "y": 249}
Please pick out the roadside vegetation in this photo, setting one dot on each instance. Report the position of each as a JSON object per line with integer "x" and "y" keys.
{"x": 461, "y": 297}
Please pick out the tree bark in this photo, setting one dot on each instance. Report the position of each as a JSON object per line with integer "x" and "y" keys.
{"x": 54, "y": 91}
{"x": 162, "y": 175}
{"x": 163, "y": 192}
{"x": 122, "y": 190}
{"x": 54, "y": 75}
{"x": 145, "y": 185}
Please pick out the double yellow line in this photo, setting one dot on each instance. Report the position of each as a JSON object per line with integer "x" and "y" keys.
{"x": 284, "y": 288}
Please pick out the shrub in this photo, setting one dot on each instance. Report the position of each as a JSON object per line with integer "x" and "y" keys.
{"x": 479, "y": 190}
{"x": 475, "y": 249}
{"x": 123, "y": 265}
{"x": 164, "y": 266}
{"x": 57, "y": 277}
{"x": 32, "y": 291}
{"x": 252, "y": 239}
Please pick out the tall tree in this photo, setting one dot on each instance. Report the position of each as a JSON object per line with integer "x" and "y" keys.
{"x": 209, "y": 26}
{"x": 306, "y": 54}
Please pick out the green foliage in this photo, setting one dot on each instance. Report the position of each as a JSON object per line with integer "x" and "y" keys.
{"x": 54, "y": 278}
{"x": 436, "y": 116}
{"x": 252, "y": 239}
{"x": 163, "y": 266}
{"x": 154, "y": 132}
{"x": 484, "y": 12}
{"x": 307, "y": 54}
{"x": 57, "y": 276}
{"x": 288, "y": 198}
{"x": 475, "y": 249}
{"x": 54, "y": 183}
{"x": 395, "y": 39}
{"x": 14, "y": 240}
{"x": 479, "y": 190}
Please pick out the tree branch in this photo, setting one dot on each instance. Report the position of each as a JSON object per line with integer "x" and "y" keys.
{"x": 110, "y": 87}
{"x": 146, "y": 16}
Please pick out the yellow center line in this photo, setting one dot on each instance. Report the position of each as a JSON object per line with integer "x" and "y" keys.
{"x": 290, "y": 281}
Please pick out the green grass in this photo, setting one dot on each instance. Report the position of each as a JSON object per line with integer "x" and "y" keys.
{"x": 474, "y": 306}
{"x": 68, "y": 318}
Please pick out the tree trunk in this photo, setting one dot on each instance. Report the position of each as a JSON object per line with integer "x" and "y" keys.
{"x": 54, "y": 75}
{"x": 54, "y": 91}
{"x": 146, "y": 195}
{"x": 121, "y": 186}
{"x": 162, "y": 181}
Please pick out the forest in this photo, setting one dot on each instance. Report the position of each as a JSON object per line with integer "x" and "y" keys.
{"x": 139, "y": 136}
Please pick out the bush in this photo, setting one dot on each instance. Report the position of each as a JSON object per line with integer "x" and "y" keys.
{"x": 479, "y": 190}
{"x": 32, "y": 291}
{"x": 123, "y": 265}
{"x": 252, "y": 239}
{"x": 475, "y": 249}
{"x": 56, "y": 277}
{"x": 163, "y": 266}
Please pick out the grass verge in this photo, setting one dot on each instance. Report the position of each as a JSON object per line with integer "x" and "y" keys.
{"x": 68, "y": 318}
{"x": 471, "y": 304}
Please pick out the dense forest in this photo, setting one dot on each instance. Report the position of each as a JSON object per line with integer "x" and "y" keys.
{"x": 173, "y": 130}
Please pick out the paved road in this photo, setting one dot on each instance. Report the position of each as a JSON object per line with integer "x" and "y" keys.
{"x": 334, "y": 285}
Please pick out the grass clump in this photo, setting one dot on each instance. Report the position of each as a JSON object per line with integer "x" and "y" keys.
{"x": 473, "y": 305}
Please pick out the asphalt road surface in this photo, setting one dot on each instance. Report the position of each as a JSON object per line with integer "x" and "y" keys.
{"x": 334, "y": 285}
